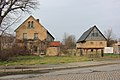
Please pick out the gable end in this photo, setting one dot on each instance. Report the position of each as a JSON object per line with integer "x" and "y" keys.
{"x": 87, "y": 35}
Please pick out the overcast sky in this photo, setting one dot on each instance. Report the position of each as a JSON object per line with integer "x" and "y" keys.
{"x": 76, "y": 16}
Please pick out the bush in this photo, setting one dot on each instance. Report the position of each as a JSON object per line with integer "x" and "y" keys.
{"x": 16, "y": 50}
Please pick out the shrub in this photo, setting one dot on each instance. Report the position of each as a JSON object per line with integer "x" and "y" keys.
{"x": 16, "y": 50}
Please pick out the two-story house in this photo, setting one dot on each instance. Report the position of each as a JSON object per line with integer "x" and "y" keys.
{"x": 91, "y": 41}
{"x": 34, "y": 35}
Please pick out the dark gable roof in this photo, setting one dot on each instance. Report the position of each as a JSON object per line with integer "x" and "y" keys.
{"x": 86, "y": 34}
{"x": 50, "y": 34}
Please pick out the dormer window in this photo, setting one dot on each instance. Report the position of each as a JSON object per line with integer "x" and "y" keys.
{"x": 30, "y": 24}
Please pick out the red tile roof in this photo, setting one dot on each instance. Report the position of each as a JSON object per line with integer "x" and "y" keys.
{"x": 55, "y": 44}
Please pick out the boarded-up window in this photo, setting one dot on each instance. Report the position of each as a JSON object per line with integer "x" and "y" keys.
{"x": 24, "y": 35}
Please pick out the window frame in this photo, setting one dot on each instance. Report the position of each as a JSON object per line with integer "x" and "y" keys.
{"x": 24, "y": 35}
{"x": 30, "y": 24}
{"x": 35, "y": 35}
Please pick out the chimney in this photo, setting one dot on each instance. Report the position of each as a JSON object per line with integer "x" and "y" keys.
{"x": 38, "y": 20}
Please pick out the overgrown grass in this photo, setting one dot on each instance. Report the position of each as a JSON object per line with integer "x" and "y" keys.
{"x": 34, "y": 60}
{"x": 111, "y": 55}
{"x": 31, "y": 60}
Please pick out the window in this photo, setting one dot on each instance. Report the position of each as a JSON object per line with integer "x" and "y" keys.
{"x": 24, "y": 35}
{"x": 101, "y": 43}
{"x": 35, "y": 35}
{"x": 30, "y": 24}
{"x": 91, "y": 42}
{"x": 96, "y": 34}
{"x": 93, "y": 34}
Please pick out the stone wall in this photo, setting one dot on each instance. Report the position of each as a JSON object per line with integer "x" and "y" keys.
{"x": 53, "y": 51}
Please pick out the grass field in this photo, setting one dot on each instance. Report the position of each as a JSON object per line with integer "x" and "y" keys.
{"x": 112, "y": 55}
{"x": 32, "y": 60}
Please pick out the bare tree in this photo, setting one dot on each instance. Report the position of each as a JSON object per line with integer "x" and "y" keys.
{"x": 10, "y": 10}
{"x": 110, "y": 37}
{"x": 69, "y": 41}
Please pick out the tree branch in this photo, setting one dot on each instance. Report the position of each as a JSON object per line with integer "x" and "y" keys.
{"x": 11, "y": 24}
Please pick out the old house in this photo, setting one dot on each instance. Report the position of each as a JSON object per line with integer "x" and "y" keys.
{"x": 91, "y": 42}
{"x": 33, "y": 35}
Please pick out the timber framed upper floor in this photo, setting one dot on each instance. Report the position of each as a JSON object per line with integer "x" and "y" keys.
{"x": 92, "y": 39}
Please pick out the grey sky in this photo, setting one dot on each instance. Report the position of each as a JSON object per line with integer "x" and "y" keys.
{"x": 76, "y": 16}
